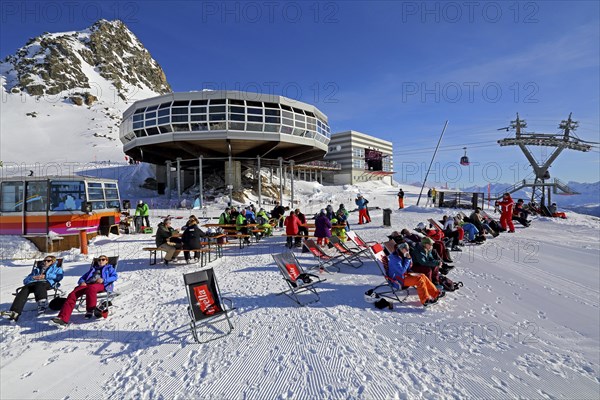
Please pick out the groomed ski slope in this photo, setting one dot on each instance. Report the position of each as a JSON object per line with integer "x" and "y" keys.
{"x": 525, "y": 324}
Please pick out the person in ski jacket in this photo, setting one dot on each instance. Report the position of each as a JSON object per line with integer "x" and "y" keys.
{"x": 361, "y": 203}
{"x": 142, "y": 215}
{"x": 322, "y": 228}
{"x": 343, "y": 210}
{"x": 165, "y": 240}
{"x": 399, "y": 266}
{"x": 506, "y": 212}
{"x": 278, "y": 213}
{"x": 225, "y": 217}
{"x": 291, "y": 228}
{"x": 426, "y": 261}
{"x": 241, "y": 224}
{"x": 262, "y": 221}
{"x": 302, "y": 228}
{"x": 400, "y": 199}
{"x": 42, "y": 278}
{"x": 339, "y": 232}
{"x": 191, "y": 237}
{"x": 99, "y": 278}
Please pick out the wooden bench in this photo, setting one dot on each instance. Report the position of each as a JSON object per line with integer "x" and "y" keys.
{"x": 154, "y": 250}
{"x": 242, "y": 238}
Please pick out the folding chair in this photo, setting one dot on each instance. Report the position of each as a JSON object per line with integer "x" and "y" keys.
{"x": 378, "y": 254}
{"x": 349, "y": 254}
{"x": 295, "y": 277}
{"x": 360, "y": 244}
{"x": 206, "y": 305}
{"x": 56, "y": 292}
{"x": 106, "y": 297}
{"x": 325, "y": 260}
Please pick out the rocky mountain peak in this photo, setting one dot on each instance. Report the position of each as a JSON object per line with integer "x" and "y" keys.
{"x": 56, "y": 62}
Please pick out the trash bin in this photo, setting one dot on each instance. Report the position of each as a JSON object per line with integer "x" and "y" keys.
{"x": 387, "y": 217}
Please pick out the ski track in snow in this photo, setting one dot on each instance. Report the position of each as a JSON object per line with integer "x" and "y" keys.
{"x": 523, "y": 326}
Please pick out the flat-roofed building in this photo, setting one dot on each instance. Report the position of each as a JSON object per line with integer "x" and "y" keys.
{"x": 362, "y": 158}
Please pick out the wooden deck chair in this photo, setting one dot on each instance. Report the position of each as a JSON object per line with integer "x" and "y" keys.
{"x": 352, "y": 256}
{"x": 358, "y": 241}
{"x": 54, "y": 291}
{"x": 106, "y": 297}
{"x": 390, "y": 288}
{"x": 297, "y": 279}
{"x": 206, "y": 306}
{"x": 325, "y": 260}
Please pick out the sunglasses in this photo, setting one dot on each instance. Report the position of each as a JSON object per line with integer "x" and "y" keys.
{"x": 47, "y": 260}
{"x": 103, "y": 259}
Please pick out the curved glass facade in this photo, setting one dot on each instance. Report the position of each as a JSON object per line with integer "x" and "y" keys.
{"x": 223, "y": 114}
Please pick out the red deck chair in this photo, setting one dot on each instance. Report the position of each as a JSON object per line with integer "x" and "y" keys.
{"x": 297, "y": 279}
{"x": 389, "y": 288}
{"x": 352, "y": 256}
{"x": 325, "y": 260}
{"x": 360, "y": 244}
{"x": 206, "y": 306}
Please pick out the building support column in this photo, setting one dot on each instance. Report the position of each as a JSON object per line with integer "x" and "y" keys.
{"x": 292, "y": 182}
{"x": 178, "y": 179}
{"x": 259, "y": 182}
{"x": 280, "y": 181}
{"x": 200, "y": 182}
{"x": 168, "y": 164}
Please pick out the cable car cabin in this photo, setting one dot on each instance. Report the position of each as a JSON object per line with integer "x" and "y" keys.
{"x": 464, "y": 160}
{"x": 50, "y": 211}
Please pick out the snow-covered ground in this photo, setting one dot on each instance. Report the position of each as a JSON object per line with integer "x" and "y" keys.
{"x": 525, "y": 325}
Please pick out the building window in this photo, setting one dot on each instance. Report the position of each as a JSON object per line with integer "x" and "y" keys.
{"x": 199, "y": 127}
{"x": 358, "y": 153}
{"x": 12, "y": 196}
{"x": 66, "y": 195}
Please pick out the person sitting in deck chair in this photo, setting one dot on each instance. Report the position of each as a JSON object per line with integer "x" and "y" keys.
{"x": 554, "y": 211}
{"x": 98, "y": 278}
{"x": 469, "y": 229}
{"x": 480, "y": 223}
{"x": 456, "y": 234}
{"x": 438, "y": 238}
{"x": 39, "y": 281}
{"x": 399, "y": 264}
{"x": 426, "y": 260}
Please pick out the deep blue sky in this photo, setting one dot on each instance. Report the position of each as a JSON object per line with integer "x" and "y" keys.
{"x": 395, "y": 70}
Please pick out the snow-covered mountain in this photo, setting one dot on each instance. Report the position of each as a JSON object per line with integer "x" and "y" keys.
{"x": 586, "y": 202}
{"x": 67, "y": 91}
